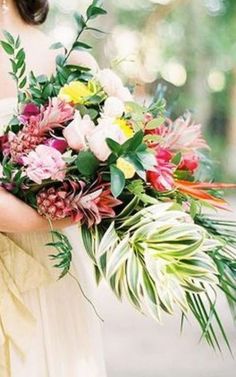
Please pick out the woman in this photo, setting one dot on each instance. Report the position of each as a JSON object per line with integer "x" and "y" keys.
{"x": 47, "y": 329}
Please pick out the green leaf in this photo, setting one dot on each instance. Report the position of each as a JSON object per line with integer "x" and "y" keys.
{"x": 7, "y": 48}
{"x": 177, "y": 158}
{"x": 118, "y": 257}
{"x": 9, "y": 37}
{"x": 79, "y": 20}
{"x": 117, "y": 181}
{"x": 17, "y": 42}
{"x": 108, "y": 241}
{"x": 155, "y": 123}
{"x": 114, "y": 146}
{"x": 87, "y": 163}
{"x": 60, "y": 60}
{"x": 20, "y": 54}
{"x": 23, "y": 83}
{"x": 94, "y": 11}
{"x": 81, "y": 46}
{"x": 96, "y": 30}
{"x": 56, "y": 46}
{"x": 133, "y": 143}
{"x": 194, "y": 209}
{"x": 42, "y": 79}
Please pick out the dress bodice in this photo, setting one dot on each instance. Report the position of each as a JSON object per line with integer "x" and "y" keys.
{"x": 7, "y": 108}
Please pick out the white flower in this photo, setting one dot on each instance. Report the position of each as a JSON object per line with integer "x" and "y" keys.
{"x": 77, "y": 131}
{"x": 113, "y": 108}
{"x": 97, "y": 140}
{"x": 112, "y": 85}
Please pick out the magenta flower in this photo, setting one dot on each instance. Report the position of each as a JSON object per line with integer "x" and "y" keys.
{"x": 161, "y": 178}
{"x": 59, "y": 143}
{"x": 29, "y": 110}
{"x": 4, "y": 145}
{"x": 44, "y": 163}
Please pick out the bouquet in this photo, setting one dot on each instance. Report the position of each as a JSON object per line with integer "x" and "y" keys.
{"x": 80, "y": 146}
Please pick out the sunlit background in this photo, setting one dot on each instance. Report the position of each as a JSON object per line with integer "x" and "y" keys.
{"x": 188, "y": 46}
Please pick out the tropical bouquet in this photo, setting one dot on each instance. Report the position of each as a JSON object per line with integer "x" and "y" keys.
{"x": 80, "y": 146}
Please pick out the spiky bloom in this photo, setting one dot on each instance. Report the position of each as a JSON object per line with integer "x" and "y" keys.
{"x": 95, "y": 204}
{"x": 72, "y": 200}
{"x": 183, "y": 135}
{"x": 35, "y": 129}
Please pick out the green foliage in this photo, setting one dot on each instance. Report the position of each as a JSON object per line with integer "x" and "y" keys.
{"x": 155, "y": 258}
{"x": 117, "y": 181}
{"x": 64, "y": 257}
{"x": 16, "y": 54}
{"x": 87, "y": 163}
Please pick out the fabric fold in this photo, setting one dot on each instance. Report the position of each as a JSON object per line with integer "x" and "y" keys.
{"x": 19, "y": 273}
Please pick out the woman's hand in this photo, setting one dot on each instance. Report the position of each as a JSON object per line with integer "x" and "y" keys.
{"x": 18, "y": 217}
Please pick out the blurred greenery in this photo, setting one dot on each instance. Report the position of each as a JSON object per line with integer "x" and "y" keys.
{"x": 187, "y": 45}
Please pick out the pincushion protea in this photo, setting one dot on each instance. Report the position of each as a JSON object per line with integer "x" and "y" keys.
{"x": 37, "y": 126}
{"x": 72, "y": 200}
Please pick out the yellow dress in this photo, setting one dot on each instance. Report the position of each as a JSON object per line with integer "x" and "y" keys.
{"x": 47, "y": 329}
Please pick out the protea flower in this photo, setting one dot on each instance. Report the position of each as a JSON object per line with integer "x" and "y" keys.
{"x": 183, "y": 135}
{"x": 35, "y": 129}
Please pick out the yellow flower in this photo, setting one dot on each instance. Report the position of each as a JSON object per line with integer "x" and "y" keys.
{"x": 125, "y": 127}
{"x": 127, "y": 168}
{"x": 76, "y": 92}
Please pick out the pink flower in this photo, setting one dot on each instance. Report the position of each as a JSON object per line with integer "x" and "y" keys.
{"x": 95, "y": 204}
{"x": 190, "y": 161}
{"x": 97, "y": 140}
{"x": 113, "y": 86}
{"x": 183, "y": 135}
{"x": 44, "y": 163}
{"x": 77, "y": 132}
{"x": 162, "y": 177}
{"x": 57, "y": 113}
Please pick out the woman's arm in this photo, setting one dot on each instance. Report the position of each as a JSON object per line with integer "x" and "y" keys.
{"x": 18, "y": 217}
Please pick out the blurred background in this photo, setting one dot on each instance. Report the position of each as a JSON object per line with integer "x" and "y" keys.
{"x": 189, "y": 46}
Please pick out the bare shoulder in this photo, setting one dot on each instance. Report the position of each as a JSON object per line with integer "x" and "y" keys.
{"x": 39, "y": 58}
{"x": 37, "y": 44}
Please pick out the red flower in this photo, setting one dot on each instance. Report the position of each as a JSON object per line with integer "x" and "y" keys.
{"x": 162, "y": 177}
{"x": 4, "y": 145}
{"x": 190, "y": 162}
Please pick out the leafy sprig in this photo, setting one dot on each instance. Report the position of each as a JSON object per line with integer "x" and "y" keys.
{"x": 64, "y": 257}
{"x": 12, "y": 46}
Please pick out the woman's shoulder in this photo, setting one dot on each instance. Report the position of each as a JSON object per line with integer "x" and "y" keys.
{"x": 40, "y": 58}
